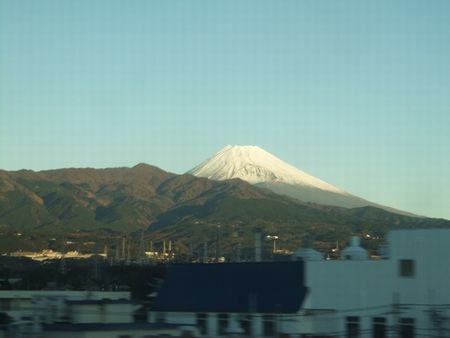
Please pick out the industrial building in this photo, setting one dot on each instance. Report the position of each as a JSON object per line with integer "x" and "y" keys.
{"x": 403, "y": 294}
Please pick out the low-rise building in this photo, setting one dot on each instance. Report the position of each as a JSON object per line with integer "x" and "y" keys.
{"x": 75, "y": 314}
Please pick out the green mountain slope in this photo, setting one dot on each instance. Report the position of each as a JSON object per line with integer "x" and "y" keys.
{"x": 188, "y": 210}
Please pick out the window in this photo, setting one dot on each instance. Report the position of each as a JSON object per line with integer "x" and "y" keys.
{"x": 201, "y": 323}
{"x": 223, "y": 323}
{"x": 352, "y": 327}
{"x": 407, "y": 268}
{"x": 269, "y": 325}
{"x": 379, "y": 327}
{"x": 406, "y": 328}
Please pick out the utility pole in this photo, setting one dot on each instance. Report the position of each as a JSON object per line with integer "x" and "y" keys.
{"x": 128, "y": 253}
{"x": 96, "y": 261}
{"x": 63, "y": 253}
{"x": 238, "y": 253}
{"x": 218, "y": 234}
{"x": 117, "y": 254}
{"x": 123, "y": 247}
{"x": 258, "y": 244}
{"x": 274, "y": 238}
{"x": 205, "y": 252}
{"x": 141, "y": 248}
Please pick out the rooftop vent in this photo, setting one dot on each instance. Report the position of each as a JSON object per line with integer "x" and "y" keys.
{"x": 354, "y": 251}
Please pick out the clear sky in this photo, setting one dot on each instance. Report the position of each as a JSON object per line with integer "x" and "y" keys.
{"x": 356, "y": 93}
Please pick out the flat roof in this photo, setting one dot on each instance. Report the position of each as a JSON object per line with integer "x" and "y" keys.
{"x": 108, "y": 326}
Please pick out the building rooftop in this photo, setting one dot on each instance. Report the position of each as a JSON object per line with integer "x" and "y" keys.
{"x": 267, "y": 287}
{"x": 106, "y": 326}
{"x": 98, "y": 301}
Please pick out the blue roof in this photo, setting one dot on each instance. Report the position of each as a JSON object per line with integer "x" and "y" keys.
{"x": 267, "y": 287}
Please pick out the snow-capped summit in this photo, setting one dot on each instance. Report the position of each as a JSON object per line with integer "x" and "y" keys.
{"x": 255, "y": 165}
{"x": 261, "y": 168}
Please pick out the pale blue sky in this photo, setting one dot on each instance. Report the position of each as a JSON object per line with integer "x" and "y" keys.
{"x": 354, "y": 92}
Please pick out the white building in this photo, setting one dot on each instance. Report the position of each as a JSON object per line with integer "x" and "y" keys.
{"x": 75, "y": 314}
{"x": 404, "y": 294}
{"x": 26, "y": 303}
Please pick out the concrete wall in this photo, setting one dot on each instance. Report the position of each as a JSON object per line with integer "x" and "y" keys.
{"x": 101, "y": 313}
{"x": 282, "y": 324}
{"x": 47, "y": 304}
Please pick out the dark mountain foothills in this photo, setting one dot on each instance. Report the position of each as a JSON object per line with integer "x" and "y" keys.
{"x": 147, "y": 202}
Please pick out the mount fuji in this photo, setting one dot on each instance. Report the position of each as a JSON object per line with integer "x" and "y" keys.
{"x": 262, "y": 169}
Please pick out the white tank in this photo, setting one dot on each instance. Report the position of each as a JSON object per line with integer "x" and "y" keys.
{"x": 307, "y": 254}
{"x": 354, "y": 251}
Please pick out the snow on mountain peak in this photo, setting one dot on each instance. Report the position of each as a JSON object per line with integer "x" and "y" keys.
{"x": 255, "y": 165}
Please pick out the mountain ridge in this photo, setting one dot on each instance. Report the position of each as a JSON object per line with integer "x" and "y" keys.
{"x": 255, "y": 165}
{"x": 262, "y": 169}
{"x": 183, "y": 208}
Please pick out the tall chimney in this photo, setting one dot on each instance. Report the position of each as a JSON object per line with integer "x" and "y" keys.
{"x": 205, "y": 252}
{"x": 258, "y": 241}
